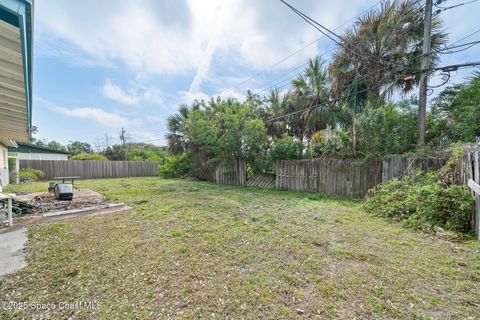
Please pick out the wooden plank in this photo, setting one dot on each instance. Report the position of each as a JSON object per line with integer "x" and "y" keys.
{"x": 476, "y": 177}
{"x": 475, "y": 187}
{"x": 92, "y": 168}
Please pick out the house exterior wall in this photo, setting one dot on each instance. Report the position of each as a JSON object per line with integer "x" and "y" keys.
{"x": 4, "y": 179}
{"x": 41, "y": 156}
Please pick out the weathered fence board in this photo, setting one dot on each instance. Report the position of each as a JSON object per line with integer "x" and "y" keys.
{"x": 204, "y": 171}
{"x": 261, "y": 180}
{"x": 234, "y": 173}
{"x": 473, "y": 183}
{"x": 398, "y": 166}
{"x": 336, "y": 177}
{"x": 92, "y": 169}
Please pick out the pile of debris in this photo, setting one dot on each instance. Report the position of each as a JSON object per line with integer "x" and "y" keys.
{"x": 38, "y": 203}
{"x": 47, "y": 202}
{"x": 39, "y": 207}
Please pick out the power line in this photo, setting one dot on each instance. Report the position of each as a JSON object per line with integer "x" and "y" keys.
{"x": 313, "y": 21}
{"x": 318, "y": 105}
{"x": 237, "y": 86}
{"x": 448, "y": 68}
{"x": 467, "y": 36}
{"x": 306, "y": 17}
{"x": 468, "y": 45}
{"x": 314, "y": 24}
{"x": 441, "y": 9}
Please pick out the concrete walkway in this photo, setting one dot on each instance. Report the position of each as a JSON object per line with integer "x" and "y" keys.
{"x": 12, "y": 257}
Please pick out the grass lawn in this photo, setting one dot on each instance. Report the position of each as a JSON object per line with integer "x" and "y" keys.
{"x": 199, "y": 250}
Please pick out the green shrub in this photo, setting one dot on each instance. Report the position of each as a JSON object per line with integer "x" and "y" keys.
{"x": 29, "y": 174}
{"x": 88, "y": 156}
{"x": 420, "y": 201}
{"x": 330, "y": 142}
{"x": 176, "y": 166}
{"x": 286, "y": 148}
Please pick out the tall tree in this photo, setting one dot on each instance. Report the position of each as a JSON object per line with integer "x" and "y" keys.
{"x": 383, "y": 47}
{"x": 76, "y": 147}
{"x": 455, "y": 114}
{"x": 310, "y": 92}
{"x": 355, "y": 102}
{"x": 177, "y": 141}
{"x": 276, "y": 106}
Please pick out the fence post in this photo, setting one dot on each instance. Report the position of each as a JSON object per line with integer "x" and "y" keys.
{"x": 476, "y": 178}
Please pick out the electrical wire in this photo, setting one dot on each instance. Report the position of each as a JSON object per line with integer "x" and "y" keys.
{"x": 357, "y": 49}
{"x": 310, "y": 21}
{"x": 325, "y": 31}
{"x": 452, "y": 7}
{"x": 237, "y": 86}
{"x": 467, "y": 46}
{"x": 467, "y": 36}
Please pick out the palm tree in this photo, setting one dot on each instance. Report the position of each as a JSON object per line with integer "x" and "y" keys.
{"x": 310, "y": 92}
{"x": 277, "y": 104}
{"x": 383, "y": 47}
{"x": 355, "y": 101}
{"x": 177, "y": 141}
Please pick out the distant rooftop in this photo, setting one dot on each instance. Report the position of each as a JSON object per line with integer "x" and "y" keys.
{"x": 31, "y": 148}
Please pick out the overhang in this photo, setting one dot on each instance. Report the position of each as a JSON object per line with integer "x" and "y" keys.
{"x": 15, "y": 70}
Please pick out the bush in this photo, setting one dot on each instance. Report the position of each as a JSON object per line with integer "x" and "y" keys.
{"x": 286, "y": 148}
{"x": 88, "y": 156}
{"x": 29, "y": 174}
{"x": 176, "y": 166}
{"x": 330, "y": 142}
{"x": 387, "y": 129}
{"x": 420, "y": 201}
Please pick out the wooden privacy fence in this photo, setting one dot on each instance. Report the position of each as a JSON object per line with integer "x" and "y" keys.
{"x": 397, "y": 167}
{"x": 91, "y": 169}
{"x": 472, "y": 175}
{"x": 336, "y": 177}
{"x": 234, "y": 173}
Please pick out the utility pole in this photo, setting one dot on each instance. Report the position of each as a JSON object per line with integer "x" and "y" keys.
{"x": 122, "y": 137}
{"x": 426, "y": 51}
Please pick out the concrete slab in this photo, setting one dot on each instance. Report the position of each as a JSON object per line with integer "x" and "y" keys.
{"x": 12, "y": 255}
{"x": 85, "y": 210}
{"x": 79, "y": 196}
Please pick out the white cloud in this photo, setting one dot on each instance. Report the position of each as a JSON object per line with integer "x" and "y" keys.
{"x": 161, "y": 37}
{"x": 97, "y": 115}
{"x": 152, "y": 118}
{"x": 188, "y": 97}
{"x": 174, "y": 37}
{"x": 114, "y": 92}
{"x": 134, "y": 96}
{"x": 152, "y": 96}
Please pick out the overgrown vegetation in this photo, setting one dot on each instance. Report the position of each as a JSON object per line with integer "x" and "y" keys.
{"x": 178, "y": 166}
{"x": 200, "y": 250}
{"x": 286, "y": 148}
{"x": 427, "y": 200}
{"x": 455, "y": 114}
{"x": 421, "y": 201}
{"x": 30, "y": 174}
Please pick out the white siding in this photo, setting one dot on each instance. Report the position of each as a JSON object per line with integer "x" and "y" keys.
{"x": 3, "y": 166}
{"x": 42, "y": 156}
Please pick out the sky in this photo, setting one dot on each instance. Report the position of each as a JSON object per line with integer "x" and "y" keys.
{"x": 100, "y": 66}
